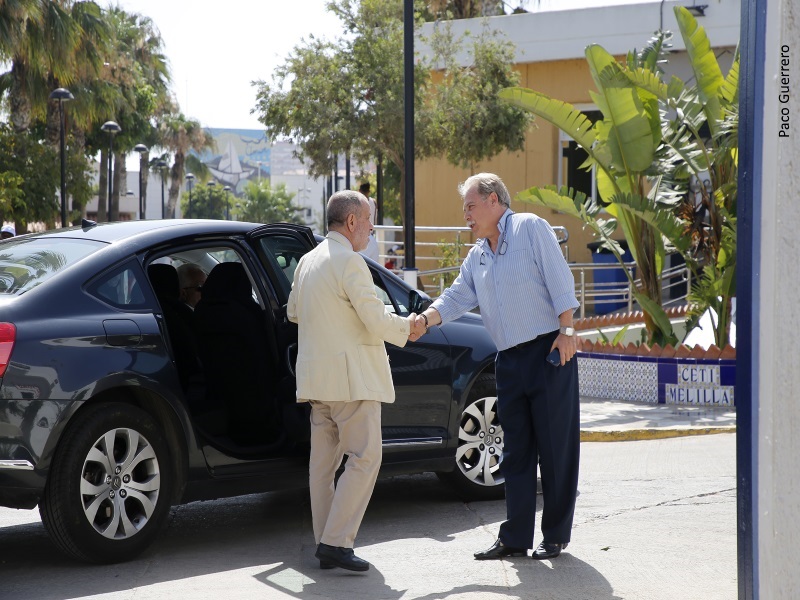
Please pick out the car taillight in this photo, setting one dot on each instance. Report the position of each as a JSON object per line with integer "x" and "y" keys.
{"x": 8, "y": 334}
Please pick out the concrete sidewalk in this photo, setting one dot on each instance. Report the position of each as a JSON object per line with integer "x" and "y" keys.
{"x": 614, "y": 421}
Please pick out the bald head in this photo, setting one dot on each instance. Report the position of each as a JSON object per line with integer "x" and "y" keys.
{"x": 348, "y": 214}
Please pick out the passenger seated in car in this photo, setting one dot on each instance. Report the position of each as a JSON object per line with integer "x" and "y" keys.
{"x": 191, "y": 279}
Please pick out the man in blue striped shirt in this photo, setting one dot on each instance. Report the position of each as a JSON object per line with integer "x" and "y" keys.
{"x": 518, "y": 277}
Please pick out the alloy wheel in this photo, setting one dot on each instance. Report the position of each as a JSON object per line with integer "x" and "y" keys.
{"x": 480, "y": 443}
{"x": 120, "y": 483}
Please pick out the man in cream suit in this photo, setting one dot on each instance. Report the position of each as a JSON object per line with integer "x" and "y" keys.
{"x": 343, "y": 371}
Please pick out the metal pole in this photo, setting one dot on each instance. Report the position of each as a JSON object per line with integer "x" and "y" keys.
{"x": 408, "y": 60}
{"x": 379, "y": 193}
{"x": 110, "y": 170}
{"x": 63, "y": 165}
{"x": 141, "y": 205}
{"x": 347, "y": 172}
{"x": 163, "y": 207}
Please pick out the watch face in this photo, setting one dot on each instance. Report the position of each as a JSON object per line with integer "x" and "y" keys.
{"x": 568, "y": 331}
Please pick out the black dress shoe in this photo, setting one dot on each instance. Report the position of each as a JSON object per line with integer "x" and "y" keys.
{"x": 547, "y": 550}
{"x": 498, "y": 551}
{"x": 333, "y": 556}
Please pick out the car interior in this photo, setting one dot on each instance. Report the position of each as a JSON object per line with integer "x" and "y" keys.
{"x": 235, "y": 352}
{"x": 239, "y": 390}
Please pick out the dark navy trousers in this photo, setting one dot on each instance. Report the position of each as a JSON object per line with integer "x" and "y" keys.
{"x": 538, "y": 408}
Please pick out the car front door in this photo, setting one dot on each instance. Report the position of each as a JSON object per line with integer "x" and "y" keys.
{"x": 421, "y": 371}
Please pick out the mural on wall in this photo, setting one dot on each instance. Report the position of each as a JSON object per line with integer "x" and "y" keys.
{"x": 241, "y": 155}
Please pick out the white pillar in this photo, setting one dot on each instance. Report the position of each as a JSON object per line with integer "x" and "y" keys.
{"x": 776, "y": 418}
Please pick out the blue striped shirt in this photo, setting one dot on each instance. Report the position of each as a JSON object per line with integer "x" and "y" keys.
{"x": 521, "y": 289}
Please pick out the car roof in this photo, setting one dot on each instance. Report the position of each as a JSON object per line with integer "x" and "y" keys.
{"x": 168, "y": 228}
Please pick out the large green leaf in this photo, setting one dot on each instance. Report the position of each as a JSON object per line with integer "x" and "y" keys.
{"x": 730, "y": 89}
{"x": 626, "y": 127}
{"x": 659, "y": 317}
{"x": 647, "y": 80}
{"x": 704, "y": 64}
{"x": 561, "y": 114}
{"x": 567, "y": 201}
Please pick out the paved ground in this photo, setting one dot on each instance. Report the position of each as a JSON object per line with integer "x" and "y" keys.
{"x": 656, "y": 519}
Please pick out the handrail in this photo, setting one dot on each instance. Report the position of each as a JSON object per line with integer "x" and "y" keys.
{"x": 598, "y": 295}
{"x": 590, "y": 294}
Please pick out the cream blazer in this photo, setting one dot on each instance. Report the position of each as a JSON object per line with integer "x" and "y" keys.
{"x": 342, "y": 327}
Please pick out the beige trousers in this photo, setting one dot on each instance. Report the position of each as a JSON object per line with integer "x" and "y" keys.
{"x": 339, "y": 428}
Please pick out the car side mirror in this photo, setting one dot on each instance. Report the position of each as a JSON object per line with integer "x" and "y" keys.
{"x": 418, "y": 301}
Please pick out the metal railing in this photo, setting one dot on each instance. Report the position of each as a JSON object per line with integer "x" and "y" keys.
{"x": 391, "y": 251}
{"x": 594, "y": 297}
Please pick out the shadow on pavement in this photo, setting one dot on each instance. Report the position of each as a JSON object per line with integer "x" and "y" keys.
{"x": 417, "y": 534}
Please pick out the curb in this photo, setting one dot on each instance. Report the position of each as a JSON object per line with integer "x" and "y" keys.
{"x": 631, "y": 435}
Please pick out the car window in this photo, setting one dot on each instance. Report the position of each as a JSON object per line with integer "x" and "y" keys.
{"x": 283, "y": 252}
{"x": 26, "y": 263}
{"x": 121, "y": 288}
{"x": 396, "y": 292}
{"x": 203, "y": 258}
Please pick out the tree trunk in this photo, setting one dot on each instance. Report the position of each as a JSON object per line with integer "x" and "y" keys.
{"x": 78, "y": 148}
{"x": 144, "y": 172}
{"x": 176, "y": 178}
{"x": 20, "y": 107}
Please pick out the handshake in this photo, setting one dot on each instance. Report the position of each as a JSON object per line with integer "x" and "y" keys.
{"x": 418, "y": 326}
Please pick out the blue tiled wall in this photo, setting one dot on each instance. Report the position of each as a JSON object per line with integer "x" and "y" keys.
{"x": 657, "y": 380}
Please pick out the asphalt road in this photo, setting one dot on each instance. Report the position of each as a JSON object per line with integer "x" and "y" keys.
{"x": 656, "y": 520}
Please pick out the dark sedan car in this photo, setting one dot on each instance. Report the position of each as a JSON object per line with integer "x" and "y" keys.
{"x": 117, "y": 400}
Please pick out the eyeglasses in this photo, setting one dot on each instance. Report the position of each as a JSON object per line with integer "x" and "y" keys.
{"x": 501, "y": 252}
{"x": 194, "y": 287}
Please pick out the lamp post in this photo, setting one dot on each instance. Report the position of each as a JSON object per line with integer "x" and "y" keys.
{"x": 227, "y": 190}
{"x": 189, "y": 181}
{"x": 62, "y": 94}
{"x": 141, "y": 149}
{"x": 161, "y": 164}
{"x": 112, "y": 128}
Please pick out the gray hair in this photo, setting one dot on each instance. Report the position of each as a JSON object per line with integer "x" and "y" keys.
{"x": 486, "y": 184}
{"x": 189, "y": 274}
{"x": 343, "y": 204}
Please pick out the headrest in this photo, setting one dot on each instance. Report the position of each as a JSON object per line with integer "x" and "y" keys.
{"x": 164, "y": 279}
{"x": 228, "y": 281}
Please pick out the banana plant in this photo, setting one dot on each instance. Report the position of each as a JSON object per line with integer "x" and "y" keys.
{"x": 644, "y": 163}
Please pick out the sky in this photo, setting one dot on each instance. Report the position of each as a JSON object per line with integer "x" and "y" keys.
{"x": 216, "y": 49}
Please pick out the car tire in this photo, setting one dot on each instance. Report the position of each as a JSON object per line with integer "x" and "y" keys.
{"x": 104, "y": 504}
{"x": 476, "y": 475}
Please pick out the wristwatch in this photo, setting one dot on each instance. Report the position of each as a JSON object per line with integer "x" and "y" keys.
{"x": 425, "y": 318}
{"x": 569, "y": 331}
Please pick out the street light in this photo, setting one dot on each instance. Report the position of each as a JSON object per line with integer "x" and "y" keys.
{"x": 112, "y": 128}
{"x": 62, "y": 94}
{"x": 227, "y": 190}
{"x": 161, "y": 164}
{"x": 141, "y": 149}
{"x": 189, "y": 181}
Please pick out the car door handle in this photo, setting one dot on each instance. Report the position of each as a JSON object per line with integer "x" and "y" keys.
{"x": 122, "y": 332}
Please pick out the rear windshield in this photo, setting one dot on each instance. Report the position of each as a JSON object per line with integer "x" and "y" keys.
{"x": 24, "y": 264}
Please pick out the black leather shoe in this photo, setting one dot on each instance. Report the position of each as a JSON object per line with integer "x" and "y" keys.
{"x": 547, "y": 550}
{"x": 498, "y": 551}
{"x": 339, "y": 557}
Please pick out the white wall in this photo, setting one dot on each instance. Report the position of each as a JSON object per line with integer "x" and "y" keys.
{"x": 777, "y": 421}
{"x": 565, "y": 34}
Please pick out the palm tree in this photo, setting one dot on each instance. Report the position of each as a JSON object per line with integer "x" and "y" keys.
{"x": 179, "y": 134}
{"x": 137, "y": 67}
